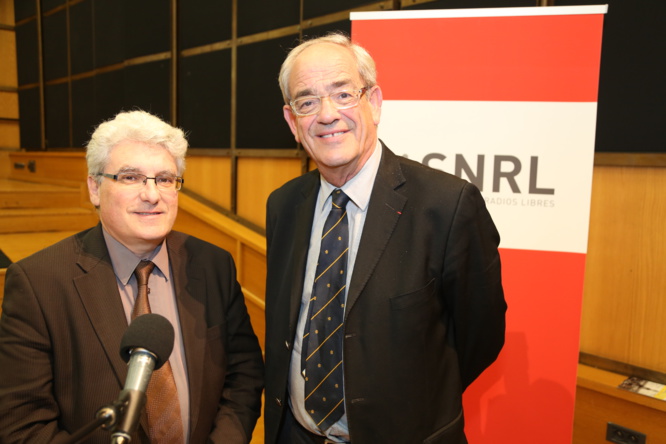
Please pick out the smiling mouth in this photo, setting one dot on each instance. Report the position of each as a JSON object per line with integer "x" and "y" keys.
{"x": 326, "y": 136}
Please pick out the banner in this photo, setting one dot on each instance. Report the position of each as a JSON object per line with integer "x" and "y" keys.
{"x": 507, "y": 99}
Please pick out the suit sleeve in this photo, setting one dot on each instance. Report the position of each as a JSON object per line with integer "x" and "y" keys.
{"x": 240, "y": 405}
{"x": 473, "y": 285}
{"x": 28, "y": 410}
{"x": 270, "y": 217}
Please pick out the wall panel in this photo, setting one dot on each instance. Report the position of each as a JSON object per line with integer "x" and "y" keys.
{"x": 204, "y": 99}
{"x": 8, "y": 75}
{"x": 56, "y": 98}
{"x": 30, "y": 125}
{"x": 632, "y": 91}
{"x": 259, "y": 110}
{"x": 274, "y": 15}
{"x": 146, "y": 86}
{"x": 81, "y": 37}
{"x": 210, "y": 178}
{"x": 27, "y": 52}
{"x": 314, "y": 8}
{"x": 339, "y": 26}
{"x": 146, "y": 27}
{"x": 108, "y": 98}
{"x": 257, "y": 177}
{"x": 9, "y": 134}
{"x": 8, "y": 105}
{"x": 202, "y": 22}
{"x": 55, "y": 45}
{"x": 9, "y": 102}
{"x": 50, "y": 4}
{"x": 83, "y": 111}
{"x": 24, "y": 9}
{"x": 624, "y": 305}
{"x": 456, "y": 4}
{"x": 4, "y": 164}
{"x": 109, "y": 33}
{"x": 7, "y": 12}
{"x": 253, "y": 272}
{"x": 191, "y": 224}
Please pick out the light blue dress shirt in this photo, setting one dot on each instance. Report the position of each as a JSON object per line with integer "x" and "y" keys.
{"x": 358, "y": 189}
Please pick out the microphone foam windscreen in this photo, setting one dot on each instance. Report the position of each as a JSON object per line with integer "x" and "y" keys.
{"x": 152, "y": 332}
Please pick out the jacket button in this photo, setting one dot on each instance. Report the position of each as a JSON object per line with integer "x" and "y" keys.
{"x": 278, "y": 401}
{"x": 286, "y": 344}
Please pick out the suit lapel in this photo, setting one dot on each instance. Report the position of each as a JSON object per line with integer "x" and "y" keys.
{"x": 303, "y": 217}
{"x": 188, "y": 281}
{"x": 385, "y": 208}
{"x": 98, "y": 290}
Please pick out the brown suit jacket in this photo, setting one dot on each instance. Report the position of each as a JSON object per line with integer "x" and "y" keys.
{"x": 425, "y": 307}
{"x": 60, "y": 332}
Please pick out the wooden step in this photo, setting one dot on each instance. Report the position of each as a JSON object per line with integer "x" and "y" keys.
{"x": 26, "y": 220}
{"x": 42, "y": 199}
{"x": 20, "y": 194}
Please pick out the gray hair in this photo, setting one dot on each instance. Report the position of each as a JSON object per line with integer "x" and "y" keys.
{"x": 137, "y": 126}
{"x": 364, "y": 62}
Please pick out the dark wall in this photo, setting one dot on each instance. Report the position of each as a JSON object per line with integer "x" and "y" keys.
{"x": 632, "y": 88}
{"x": 103, "y": 56}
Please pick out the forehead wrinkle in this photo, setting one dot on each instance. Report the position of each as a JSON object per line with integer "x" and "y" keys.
{"x": 308, "y": 75}
{"x": 132, "y": 169}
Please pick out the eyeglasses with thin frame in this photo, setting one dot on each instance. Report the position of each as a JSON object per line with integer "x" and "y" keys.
{"x": 165, "y": 182}
{"x": 309, "y": 105}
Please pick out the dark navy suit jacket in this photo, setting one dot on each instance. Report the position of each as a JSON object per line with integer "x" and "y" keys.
{"x": 425, "y": 311}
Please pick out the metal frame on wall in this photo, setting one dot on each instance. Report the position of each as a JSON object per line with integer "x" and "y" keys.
{"x": 173, "y": 56}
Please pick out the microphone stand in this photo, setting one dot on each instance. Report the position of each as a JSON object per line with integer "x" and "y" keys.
{"x": 106, "y": 417}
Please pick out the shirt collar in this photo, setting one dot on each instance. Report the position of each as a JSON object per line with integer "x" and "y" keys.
{"x": 359, "y": 187}
{"x": 124, "y": 261}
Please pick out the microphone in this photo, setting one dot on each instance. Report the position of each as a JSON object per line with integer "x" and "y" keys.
{"x": 147, "y": 345}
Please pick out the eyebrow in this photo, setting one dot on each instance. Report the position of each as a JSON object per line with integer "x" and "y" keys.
{"x": 332, "y": 86}
{"x": 129, "y": 169}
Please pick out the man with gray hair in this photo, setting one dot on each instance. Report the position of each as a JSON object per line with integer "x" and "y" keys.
{"x": 384, "y": 298}
{"x": 67, "y": 307}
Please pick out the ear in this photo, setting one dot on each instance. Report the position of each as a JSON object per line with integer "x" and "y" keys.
{"x": 375, "y": 97}
{"x": 93, "y": 191}
{"x": 292, "y": 120}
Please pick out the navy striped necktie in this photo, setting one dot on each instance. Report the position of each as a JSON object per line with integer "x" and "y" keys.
{"x": 322, "y": 338}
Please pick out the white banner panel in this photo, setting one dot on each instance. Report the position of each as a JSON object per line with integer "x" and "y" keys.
{"x": 531, "y": 160}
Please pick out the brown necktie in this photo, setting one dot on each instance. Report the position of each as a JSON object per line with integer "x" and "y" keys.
{"x": 165, "y": 425}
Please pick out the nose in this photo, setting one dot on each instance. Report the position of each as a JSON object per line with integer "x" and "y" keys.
{"x": 328, "y": 113}
{"x": 149, "y": 192}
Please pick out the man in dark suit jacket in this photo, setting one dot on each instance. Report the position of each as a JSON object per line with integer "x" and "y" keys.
{"x": 67, "y": 307}
{"x": 424, "y": 313}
